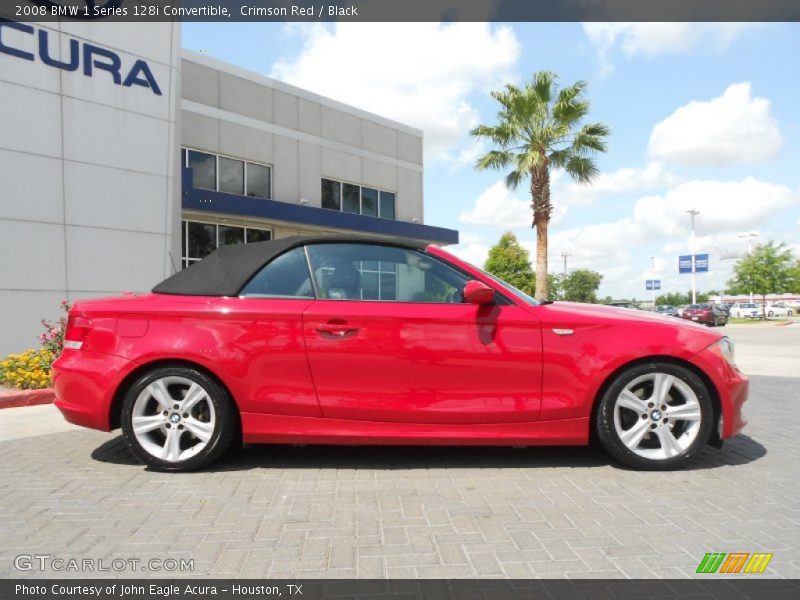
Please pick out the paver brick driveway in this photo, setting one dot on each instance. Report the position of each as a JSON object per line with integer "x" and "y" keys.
{"x": 411, "y": 512}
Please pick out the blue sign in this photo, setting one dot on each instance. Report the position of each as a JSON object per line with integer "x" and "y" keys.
{"x": 653, "y": 284}
{"x": 700, "y": 263}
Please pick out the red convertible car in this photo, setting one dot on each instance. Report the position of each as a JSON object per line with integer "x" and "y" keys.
{"x": 349, "y": 340}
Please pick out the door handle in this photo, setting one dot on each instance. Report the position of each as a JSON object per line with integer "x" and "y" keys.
{"x": 336, "y": 330}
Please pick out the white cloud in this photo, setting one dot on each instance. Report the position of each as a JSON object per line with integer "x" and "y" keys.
{"x": 653, "y": 175}
{"x": 471, "y": 248}
{"x": 498, "y": 207}
{"x": 725, "y": 206}
{"x": 421, "y": 74}
{"x": 732, "y": 128}
{"x": 653, "y": 39}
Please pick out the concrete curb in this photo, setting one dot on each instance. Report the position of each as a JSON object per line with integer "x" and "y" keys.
{"x": 26, "y": 398}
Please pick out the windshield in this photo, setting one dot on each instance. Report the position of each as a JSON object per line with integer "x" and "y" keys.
{"x": 510, "y": 288}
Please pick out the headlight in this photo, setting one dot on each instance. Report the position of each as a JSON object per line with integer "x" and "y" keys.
{"x": 725, "y": 349}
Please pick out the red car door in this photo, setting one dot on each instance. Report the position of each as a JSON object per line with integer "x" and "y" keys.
{"x": 388, "y": 339}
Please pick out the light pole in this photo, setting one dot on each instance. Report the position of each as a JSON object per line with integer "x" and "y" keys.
{"x": 749, "y": 237}
{"x": 693, "y": 213}
{"x": 653, "y": 276}
{"x": 565, "y": 255}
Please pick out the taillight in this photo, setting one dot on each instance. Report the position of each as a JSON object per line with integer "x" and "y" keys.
{"x": 78, "y": 329}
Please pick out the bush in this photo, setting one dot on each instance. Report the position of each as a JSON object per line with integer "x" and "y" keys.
{"x": 31, "y": 369}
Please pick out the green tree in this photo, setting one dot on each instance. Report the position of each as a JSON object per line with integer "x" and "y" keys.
{"x": 766, "y": 270}
{"x": 540, "y": 128}
{"x": 580, "y": 285}
{"x": 509, "y": 261}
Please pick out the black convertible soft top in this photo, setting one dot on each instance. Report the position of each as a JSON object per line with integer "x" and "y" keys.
{"x": 225, "y": 271}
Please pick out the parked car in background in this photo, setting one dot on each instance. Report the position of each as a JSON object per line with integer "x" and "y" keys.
{"x": 778, "y": 310}
{"x": 745, "y": 310}
{"x": 680, "y": 310}
{"x": 707, "y": 314}
{"x": 297, "y": 341}
{"x": 670, "y": 311}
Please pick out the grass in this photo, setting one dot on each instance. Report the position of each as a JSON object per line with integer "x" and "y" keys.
{"x": 735, "y": 321}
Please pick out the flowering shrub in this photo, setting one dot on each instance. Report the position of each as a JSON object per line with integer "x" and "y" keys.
{"x": 52, "y": 337}
{"x": 30, "y": 370}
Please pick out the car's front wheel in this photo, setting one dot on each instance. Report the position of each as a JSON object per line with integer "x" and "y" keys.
{"x": 655, "y": 416}
{"x": 177, "y": 419}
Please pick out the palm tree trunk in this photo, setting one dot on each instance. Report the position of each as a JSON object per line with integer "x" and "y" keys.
{"x": 540, "y": 191}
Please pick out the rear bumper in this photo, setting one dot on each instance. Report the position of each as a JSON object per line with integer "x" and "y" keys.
{"x": 85, "y": 383}
{"x": 732, "y": 387}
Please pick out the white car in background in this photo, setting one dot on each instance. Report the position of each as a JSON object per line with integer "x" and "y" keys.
{"x": 779, "y": 310}
{"x": 745, "y": 310}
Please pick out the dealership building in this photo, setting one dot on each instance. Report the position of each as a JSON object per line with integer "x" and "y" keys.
{"x": 125, "y": 158}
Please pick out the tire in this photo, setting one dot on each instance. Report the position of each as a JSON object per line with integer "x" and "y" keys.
{"x": 190, "y": 437}
{"x": 789, "y": 313}
{"x": 770, "y": 314}
{"x": 644, "y": 442}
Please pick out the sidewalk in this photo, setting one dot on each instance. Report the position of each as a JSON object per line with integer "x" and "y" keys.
{"x": 29, "y": 421}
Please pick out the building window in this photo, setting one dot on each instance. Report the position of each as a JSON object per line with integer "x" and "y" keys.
{"x": 369, "y": 202}
{"x": 229, "y": 175}
{"x": 387, "y": 205}
{"x": 204, "y": 169}
{"x": 331, "y": 194}
{"x": 351, "y": 198}
{"x": 258, "y": 180}
{"x": 201, "y": 239}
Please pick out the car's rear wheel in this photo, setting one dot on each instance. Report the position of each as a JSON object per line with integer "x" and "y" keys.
{"x": 177, "y": 419}
{"x": 655, "y": 416}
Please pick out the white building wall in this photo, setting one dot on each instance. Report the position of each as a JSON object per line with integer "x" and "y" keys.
{"x": 90, "y": 204}
{"x": 304, "y": 136}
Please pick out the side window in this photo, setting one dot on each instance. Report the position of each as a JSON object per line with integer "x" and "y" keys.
{"x": 387, "y": 273}
{"x": 283, "y": 277}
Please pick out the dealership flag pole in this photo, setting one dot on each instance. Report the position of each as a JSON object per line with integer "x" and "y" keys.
{"x": 693, "y": 213}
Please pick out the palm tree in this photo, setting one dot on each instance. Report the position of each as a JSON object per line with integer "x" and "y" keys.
{"x": 539, "y": 129}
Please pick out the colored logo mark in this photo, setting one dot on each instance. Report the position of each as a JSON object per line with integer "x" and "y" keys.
{"x": 734, "y": 562}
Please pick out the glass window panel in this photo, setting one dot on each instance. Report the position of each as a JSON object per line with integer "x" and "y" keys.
{"x": 258, "y": 181}
{"x": 204, "y": 170}
{"x": 258, "y": 235}
{"x": 388, "y": 286}
{"x": 350, "y": 199}
{"x": 183, "y": 239}
{"x": 369, "y": 286}
{"x": 285, "y": 276}
{"x": 202, "y": 239}
{"x": 369, "y": 202}
{"x": 230, "y": 235}
{"x": 387, "y": 205}
{"x": 331, "y": 194}
{"x": 403, "y": 275}
{"x": 231, "y": 176}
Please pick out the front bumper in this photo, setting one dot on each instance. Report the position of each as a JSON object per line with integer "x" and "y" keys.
{"x": 732, "y": 388}
{"x": 85, "y": 383}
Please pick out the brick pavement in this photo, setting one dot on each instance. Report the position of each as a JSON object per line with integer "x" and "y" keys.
{"x": 288, "y": 511}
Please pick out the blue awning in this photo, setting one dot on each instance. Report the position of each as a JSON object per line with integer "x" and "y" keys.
{"x": 247, "y": 206}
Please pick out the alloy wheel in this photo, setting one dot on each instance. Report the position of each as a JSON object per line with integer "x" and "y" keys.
{"x": 173, "y": 418}
{"x": 657, "y": 416}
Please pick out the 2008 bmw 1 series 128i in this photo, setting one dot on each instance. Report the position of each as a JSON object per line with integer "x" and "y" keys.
{"x": 349, "y": 340}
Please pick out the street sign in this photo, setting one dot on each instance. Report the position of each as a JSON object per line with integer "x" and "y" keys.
{"x": 700, "y": 263}
{"x": 653, "y": 284}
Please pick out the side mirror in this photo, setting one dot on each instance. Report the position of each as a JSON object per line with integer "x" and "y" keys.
{"x": 476, "y": 292}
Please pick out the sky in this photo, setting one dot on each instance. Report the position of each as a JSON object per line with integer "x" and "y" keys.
{"x": 704, "y": 116}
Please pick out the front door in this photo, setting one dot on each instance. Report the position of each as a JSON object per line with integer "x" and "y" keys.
{"x": 389, "y": 339}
